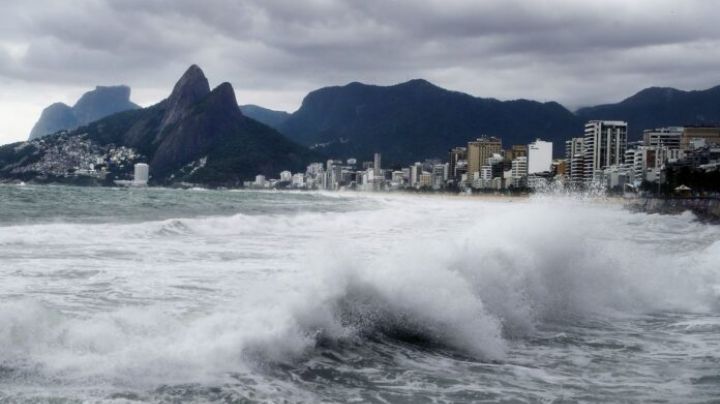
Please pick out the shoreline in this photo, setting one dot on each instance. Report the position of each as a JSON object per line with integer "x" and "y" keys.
{"x": 707, "y": 210}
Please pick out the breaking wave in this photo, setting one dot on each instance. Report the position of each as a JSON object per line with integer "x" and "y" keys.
{"x": 461, "y": 275}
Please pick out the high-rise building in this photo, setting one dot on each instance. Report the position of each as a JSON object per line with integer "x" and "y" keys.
{"x": 498, "y": 165}
{"x": 663, "y": 137}
{"x": 575, "y": 156}
{"x": 376, "y": 165}
{"x": 516, "y": 150}
{"x": 334, "y": 176}
{"x": 486, "y": 173}
{"x": 519, "y": 170}
{"x": 425, "y": 180}
{"x": 604, "y": 145}
{"x": 440, "y": 171}
{"x": 539, "y": 156}
{"x": 634, "y": 163}
{"x": 479, "y": 151}
{"x": 647, "y": 162}
{"x": 456, "y": 154}
{"x": 415, "y": 171}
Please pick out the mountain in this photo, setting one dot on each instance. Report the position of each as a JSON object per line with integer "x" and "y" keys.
{"x": 195, "y": 135}
{"x": 93, "y": 105}
{"x": 417, "y": 120}
{"x": 199, "y": 134}
{"x": 660, "y": 106}
{"x": 269, "y": 117}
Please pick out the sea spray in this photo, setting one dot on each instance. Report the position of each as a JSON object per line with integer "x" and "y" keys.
{"x": 271, "y": 294}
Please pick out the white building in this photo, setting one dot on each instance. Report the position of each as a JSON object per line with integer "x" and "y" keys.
{"x": 260, "y": 181}
{"x": 314, "y": 169}
{"x": 635, "y": 165}
{"x": 286, "y": 176}
{"x": 334, "y": 177}
{"x": 540, "y": 156}
{"x": 441, "y": 171}
{"x": 398, "y": 179}
{"x": 298, "y": 180}
{"x": 377, "y": 167}
{"x": 486, "y": 173}
{"x": 425, "y": 180}
{"x": 141, "y": 174}
{"x": 645, "y": 163}
{"x": 416, "y": 171}
{"x": 519, "y": 170}
{"x": 604, "y": 145}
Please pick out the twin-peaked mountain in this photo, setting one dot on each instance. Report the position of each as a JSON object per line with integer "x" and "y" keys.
{"x": 197, "y": 135}
{"x": 93, "y": 105}
{"x": 197, "y": 125}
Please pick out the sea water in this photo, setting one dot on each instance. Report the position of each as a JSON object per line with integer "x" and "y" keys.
{"x": 129, "y": 295}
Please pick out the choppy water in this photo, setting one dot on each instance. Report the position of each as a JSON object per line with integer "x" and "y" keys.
{"x": 129, "y": 295}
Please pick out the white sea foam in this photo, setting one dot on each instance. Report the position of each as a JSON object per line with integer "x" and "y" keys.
{"x": 191, "y": 300}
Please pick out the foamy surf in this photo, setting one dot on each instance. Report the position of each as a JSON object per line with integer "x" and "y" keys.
{"x": 257, "y": 296}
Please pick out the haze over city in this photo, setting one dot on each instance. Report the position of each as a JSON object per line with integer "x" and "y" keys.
{"x": 275, "y": 52}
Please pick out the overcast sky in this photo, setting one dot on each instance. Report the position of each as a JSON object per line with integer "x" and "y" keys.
{"x": 274, "y": 51}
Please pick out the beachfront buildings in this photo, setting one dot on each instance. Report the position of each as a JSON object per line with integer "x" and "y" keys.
{"x": 539, "y": 157}
{"x": 663, "y": 137}
{"x": 604, "y": 146}
{"x": 688, "y": 154}
{"x": 519, "y": 171}
{"x": 457, "y": 163}
{"x": 575, "y": 160}
{"x": 478, "y": 151}
{"x": 694, "y": 137}
{"x": 602, "y": 158}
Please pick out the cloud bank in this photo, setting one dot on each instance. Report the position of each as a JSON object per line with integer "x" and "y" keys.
{"x": 274, "y": 52}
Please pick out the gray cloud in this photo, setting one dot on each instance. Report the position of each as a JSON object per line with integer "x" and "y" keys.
{"x": 273, "y": 51}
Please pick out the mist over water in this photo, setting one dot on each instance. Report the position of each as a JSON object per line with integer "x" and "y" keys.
{"x": 156, "y": 294}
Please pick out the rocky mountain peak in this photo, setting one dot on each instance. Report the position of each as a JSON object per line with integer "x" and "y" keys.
{"x": 107, "y": 93}
{"x": 223, "y": 98}
{"x": 192, "y": 87}
{"x": 101, "y": 102}
{"x": 93, "y": 105}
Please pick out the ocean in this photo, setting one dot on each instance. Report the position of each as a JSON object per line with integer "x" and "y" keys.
{"x": 164, "y": 295}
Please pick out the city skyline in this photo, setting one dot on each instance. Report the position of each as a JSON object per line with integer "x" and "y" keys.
{"x": 601, "y": 160}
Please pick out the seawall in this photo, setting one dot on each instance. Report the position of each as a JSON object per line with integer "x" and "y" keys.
{"x": 706, "y": 209}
